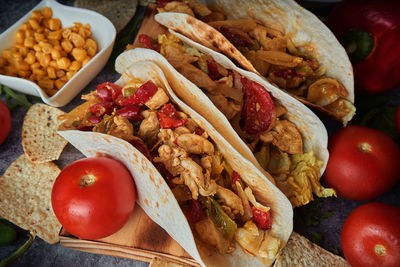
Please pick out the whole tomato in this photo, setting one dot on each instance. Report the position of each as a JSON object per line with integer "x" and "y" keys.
{"x": 371, "y": 236}
{"x": 369, "y": 30}
{"x": 364, "y": 163}
{"x": 93, "y": 197}
{"x": 5, "y": 122}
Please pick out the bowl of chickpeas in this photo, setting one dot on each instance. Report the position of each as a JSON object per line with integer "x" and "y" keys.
{"x": 54, "y": 51}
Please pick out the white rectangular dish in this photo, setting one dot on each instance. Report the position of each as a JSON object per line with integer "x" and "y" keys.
{"x": 103, "y": 32}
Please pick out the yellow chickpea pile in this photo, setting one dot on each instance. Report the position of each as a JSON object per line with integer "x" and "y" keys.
{"x": 47, "y": 54}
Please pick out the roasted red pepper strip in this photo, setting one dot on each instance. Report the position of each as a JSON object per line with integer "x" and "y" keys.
{"x": 213, "y": 69}
{"x": 108, "y": 91}
{"x": 131, "y": 112}
{"x": 100, "y": 109}
{"x": 369, "y": 30}
{"x": 261, "y": 218}
{"x": 141, "y": 146}
{"x": 258, "y": 110}
{"x": 194, "y": 213}
{"x": 235, "y": 178}
{"x": 236, "y": 36}
{"x": 148, "y": 42}
{"x": 142, "y": 94}
{"x": 94, "y": 119}
{"x": 169, "y": 118}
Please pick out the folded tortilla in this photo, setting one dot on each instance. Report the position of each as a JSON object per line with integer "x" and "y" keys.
{"x": 308, "y": 34}
{"x": 313, "y": 131}
{"x": 154, "y": 194}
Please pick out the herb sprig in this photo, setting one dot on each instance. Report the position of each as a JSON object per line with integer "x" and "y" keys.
{"x": 14, "y": 99}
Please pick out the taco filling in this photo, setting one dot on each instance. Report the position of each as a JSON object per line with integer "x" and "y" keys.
{"x": 276, "y": 57}
{"x": 258, "y": 118}
{"x": 220, "y": 207}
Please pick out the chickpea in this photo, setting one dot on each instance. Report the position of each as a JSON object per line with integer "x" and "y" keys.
{"x": 29, "y": 42}
{"x": 54, "y": 35}
{"x": 54, "y": 24}
{"x": 29, "y": 33}
{"x": 79, "y": 54}
{"x": 37, "y": 47}
{"x": 91, "y": 52}
{"x": 39, "y": 71}
{"x": 30, "y": 58}
{"x": 46, "y": 83}
{"x": 25, "y": 26}
{"x": 46, "y": 12}
{"x": 53, "y": 63}
{"x": 66, "y": 44}
{"x": 20, "y": 36}
{"x": 39, "y": 37}
{"x": 64, "y": 63}
{"x": 75, "y": 66}
{"x": 37, "y": 15}
{"x": 34, "y": 23}
{"x": 35, "y": 65}
{"x": 54, "y": 42}
{"x": 84, "y": 32}
{"x": 22, "y": 65}
{"x": 77, "y": 40}
{"x": 60, "y": 73}
{"x": 70, "y": 74}
{"x": 55, "y": 54}
{"x": 59, "y": 84}
{"x": 51, "y": 72}
{"x": 24, "y": 73}
{"x": 86, "y": 61}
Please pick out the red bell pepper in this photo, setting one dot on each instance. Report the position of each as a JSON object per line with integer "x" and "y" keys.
{"x": 369, "y": 30}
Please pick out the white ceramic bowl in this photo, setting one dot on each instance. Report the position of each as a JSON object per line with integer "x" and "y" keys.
{"x": 103, "y": 32}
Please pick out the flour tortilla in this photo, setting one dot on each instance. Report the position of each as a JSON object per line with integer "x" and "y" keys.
{"x": 313, "y": 131}
{"x": 301, "y": 252}
{"x": 156, "y": 198}
{"x": 40, "y": 140}
{"x": 307, "y": 31}
{"x": 25, "y": 197}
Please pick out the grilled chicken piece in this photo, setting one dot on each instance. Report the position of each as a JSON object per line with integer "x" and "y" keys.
{"x": 157, "y": 100}
{"x": 285, "y": 136}
{"x": 230, "y": 199}
{"x": 198, "y": 77}
{"x": 149, "y": 127}
{"x": 177, "y": 56}
{"x": 177, "y": 6}
{"x": 195, "y": 144}
{"x": 228, "y": 108}
{"x": 121, "y": 128}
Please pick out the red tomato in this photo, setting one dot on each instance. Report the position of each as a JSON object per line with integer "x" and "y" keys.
{"x": 371, "y": 236}
{"x": 364, "y": 163}
{"x": 93, "y": 197}
{"x": 397, "y": 120}
{"x": 5, "y": 122}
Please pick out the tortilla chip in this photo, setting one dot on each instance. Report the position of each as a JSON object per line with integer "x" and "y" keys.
{"x": 119, "y": 12}
{"x": 159, "y": 262}
{"x": 40, "y": 140}
{"x": 300, "y": 251}
{"x": 25, "y": 197}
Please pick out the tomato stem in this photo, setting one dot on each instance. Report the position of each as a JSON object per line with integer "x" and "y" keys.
{"x": 87, "y": 180}
{"x": 380, "y": 250}
{"x": 365, "y": 147}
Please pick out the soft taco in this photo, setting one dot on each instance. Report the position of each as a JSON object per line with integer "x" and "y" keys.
{"x": 190, "y": 180}
{"x": 273, "y": 130}
{"x": 280, "y": 40}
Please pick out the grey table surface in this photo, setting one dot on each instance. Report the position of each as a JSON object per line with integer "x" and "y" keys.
{"x": 43, "y": 254}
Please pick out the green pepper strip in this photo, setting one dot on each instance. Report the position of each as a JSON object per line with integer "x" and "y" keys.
{"x": 8, "y": 261}
{"x": 221, "y": 219}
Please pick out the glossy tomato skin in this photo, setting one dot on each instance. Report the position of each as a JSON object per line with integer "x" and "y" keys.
{"x": 371, "y": 236}
{"x": 5, "y": 122}
{"x": 363, "y": 163}
{"x": 93, "y": 210}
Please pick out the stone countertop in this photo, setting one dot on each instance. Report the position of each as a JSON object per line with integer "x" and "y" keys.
{"x": 43, "y": 254}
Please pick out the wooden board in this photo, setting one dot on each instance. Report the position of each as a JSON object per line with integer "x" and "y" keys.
{"x": 140, "y": 239}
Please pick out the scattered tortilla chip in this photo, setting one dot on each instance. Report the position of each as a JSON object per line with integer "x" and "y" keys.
{"x": 25, "y": 197}
{"x": 40, "y": 140}
{"x": 159, "y": 262}
{"x": 119, "y": 12}
{"x": 299, "y": 251}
